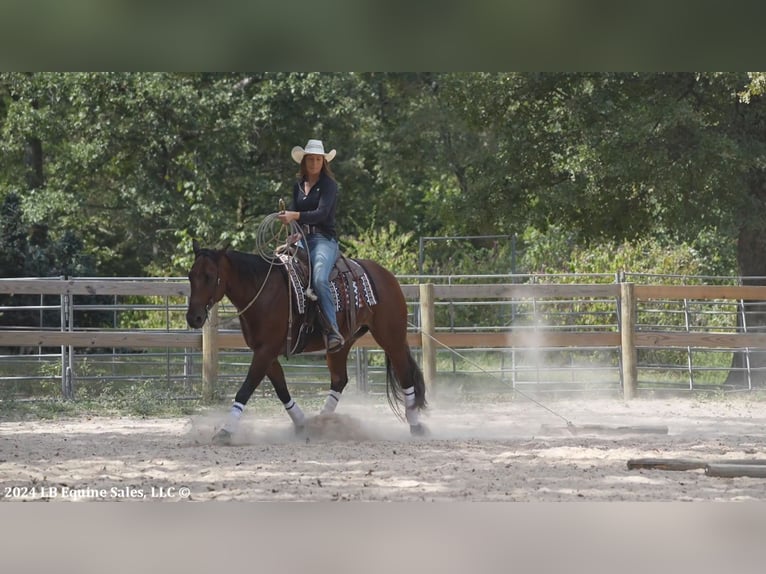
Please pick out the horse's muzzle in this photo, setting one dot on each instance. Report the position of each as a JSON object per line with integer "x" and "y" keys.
{"x": 196, "y": 318}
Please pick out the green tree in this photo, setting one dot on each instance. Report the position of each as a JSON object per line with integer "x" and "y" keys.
{"x": 130, "y": 160}
{"x": 12, "y": 237}
{"x": 138, "y": 163}
{"x": 28, "y": 251}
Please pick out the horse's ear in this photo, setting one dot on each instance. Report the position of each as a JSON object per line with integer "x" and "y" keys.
{"x": 195, "y": 247}
{"x": 226, "y": 246}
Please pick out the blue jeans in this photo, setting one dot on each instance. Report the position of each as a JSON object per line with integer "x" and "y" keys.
{"x": 323, "y": 252}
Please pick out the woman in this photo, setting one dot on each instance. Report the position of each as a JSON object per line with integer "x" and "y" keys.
{"x": 315, "y": 196}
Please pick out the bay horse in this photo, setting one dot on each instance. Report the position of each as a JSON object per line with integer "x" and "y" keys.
{"x": 259, "y": 288}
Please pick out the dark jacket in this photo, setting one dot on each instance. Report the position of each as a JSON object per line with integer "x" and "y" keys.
{"x": 317, "y": 209}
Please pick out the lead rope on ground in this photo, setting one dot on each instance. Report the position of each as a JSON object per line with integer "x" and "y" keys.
{"x": 570, "y": 426}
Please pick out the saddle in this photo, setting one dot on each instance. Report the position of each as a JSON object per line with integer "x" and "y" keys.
{"x": 350, "y": 285}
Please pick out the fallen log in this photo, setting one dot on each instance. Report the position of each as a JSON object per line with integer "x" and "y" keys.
{"x": 688, "y": 463}
{"x": 605, "y": 429}
{"x": 666, "y": 463}
{"x": 728, "y": 470}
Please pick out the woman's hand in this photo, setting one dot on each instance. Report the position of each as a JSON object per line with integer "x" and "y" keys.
{"x": 287, "y": 216}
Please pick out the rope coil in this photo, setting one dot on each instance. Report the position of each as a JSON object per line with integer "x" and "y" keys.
{"x": 270, "y": 234}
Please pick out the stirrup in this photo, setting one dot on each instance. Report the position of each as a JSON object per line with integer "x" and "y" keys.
{"x": 335, "y": 342}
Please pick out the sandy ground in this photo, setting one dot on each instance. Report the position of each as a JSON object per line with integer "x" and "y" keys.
{"x": 504, "y": 451}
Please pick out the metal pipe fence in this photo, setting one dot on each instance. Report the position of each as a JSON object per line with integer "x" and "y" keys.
{"x": 38, "y": 370}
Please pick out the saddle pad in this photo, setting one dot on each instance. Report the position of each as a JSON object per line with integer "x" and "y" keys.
{"x": 351, "y": 286}
{"x": 296, "y": 281}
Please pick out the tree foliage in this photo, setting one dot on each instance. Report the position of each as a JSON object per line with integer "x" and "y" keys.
{"x": 30, "y": 251}
{"x": 134, "y": 165}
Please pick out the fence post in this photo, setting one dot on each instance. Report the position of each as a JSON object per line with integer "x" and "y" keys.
{"x": 627, "y": 340}
{"x": 428, "y": 345}
{"x": 210, "y": 355}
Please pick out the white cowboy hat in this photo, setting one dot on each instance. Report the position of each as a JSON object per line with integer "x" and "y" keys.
{"x": 314, "y": 146}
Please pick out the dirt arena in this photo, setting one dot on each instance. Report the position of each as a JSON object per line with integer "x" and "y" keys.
{"x": 503, "y": 451}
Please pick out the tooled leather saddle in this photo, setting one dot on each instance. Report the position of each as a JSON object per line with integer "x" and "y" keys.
{"x": 350, "y": 285}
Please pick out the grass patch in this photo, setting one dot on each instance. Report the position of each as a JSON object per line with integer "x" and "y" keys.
{"x": 142, "y": 404}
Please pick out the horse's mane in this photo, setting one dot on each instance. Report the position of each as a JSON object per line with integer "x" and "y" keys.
{"x": 249, "y": 265}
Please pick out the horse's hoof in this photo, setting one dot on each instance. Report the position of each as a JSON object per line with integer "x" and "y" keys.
{"x": 418, "y": 430}
{"x": 222, "y": 437}
{"x": 300, "y": 431}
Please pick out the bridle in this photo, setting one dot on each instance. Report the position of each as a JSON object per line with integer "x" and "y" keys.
{"x": 210, "y": 301}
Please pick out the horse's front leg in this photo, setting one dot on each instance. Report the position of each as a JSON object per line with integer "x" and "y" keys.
{"x": 258, "y": 367}
{"x": 277, "y": 377}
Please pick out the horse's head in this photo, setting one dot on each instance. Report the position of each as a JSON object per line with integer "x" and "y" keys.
{"x": 207, "y": 282}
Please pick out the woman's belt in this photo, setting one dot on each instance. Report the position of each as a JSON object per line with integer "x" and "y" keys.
{"x": 309, "y": 229}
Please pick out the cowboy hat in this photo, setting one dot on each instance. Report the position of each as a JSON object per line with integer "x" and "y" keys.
{"x": 314, "y": 146}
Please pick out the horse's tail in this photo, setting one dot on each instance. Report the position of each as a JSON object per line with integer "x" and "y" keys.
{"x": 394, "y": 392}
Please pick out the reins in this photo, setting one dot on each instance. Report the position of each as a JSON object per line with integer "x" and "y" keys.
{"x": 265, "y": 236}
{"x": 271, "y": 266}
{"x": 267, "y": 241}
{"x": 210, "y": 303}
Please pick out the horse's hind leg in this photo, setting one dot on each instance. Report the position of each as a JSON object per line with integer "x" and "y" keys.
{"x": 404, "y": 379}
{"x": 277, "y": 377}
{"x": 337, "y": 364}
{"x": 402, "y": 369}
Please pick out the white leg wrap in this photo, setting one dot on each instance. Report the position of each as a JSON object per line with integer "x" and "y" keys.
{"x": 232, "y": 421}
{"x": 295, "y": 412}
{"x": 331, "y": 402}
{"x": 411, "y": 413}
